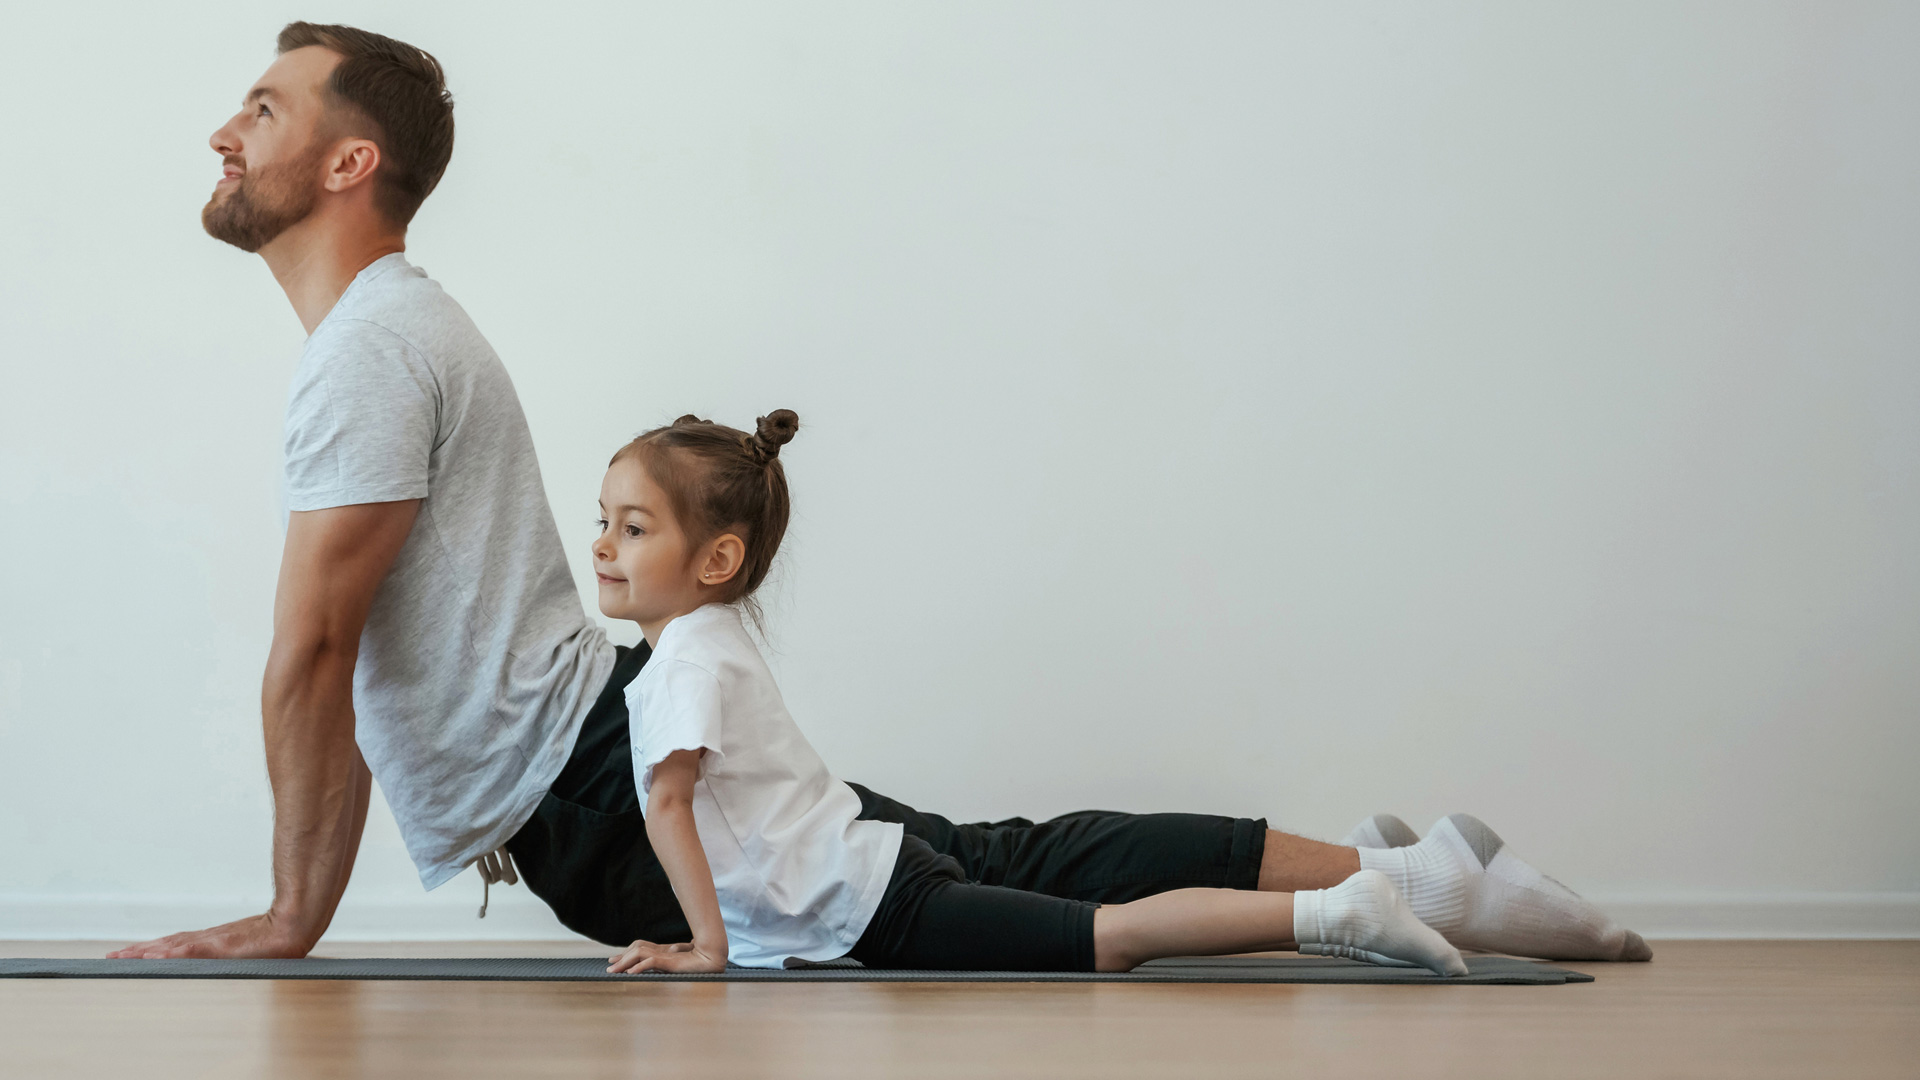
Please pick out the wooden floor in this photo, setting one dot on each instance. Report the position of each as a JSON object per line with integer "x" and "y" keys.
{"x": 1705, "y": 1009}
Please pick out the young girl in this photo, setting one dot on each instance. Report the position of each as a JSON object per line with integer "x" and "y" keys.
{"x": 765, "y": 848}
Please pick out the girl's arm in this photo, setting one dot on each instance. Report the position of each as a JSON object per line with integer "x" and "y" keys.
{"x": 677, "y": 844}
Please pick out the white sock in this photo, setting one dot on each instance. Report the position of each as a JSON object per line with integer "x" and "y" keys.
{"x": 1366, "y": 918}
{"x": 1462, "y": 881}
{"x": 1381, "y": 830}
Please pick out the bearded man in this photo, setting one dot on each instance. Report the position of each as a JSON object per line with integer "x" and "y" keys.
{"x": 427, "y": 633}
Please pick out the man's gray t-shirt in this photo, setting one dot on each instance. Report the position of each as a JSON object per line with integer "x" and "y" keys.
{"x": 477, "y": 663}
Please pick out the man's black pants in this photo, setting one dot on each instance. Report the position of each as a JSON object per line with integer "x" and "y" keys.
{"x": 585, "y": 850}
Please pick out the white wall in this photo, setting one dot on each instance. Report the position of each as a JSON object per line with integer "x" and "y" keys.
{"x": 1300, "y": 411}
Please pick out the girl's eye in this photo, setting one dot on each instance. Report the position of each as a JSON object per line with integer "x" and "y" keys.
{"x": 600, "y": 523}
{"x": 633, "y": 530}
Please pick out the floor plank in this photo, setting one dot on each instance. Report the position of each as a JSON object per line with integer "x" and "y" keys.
{"x": 1710, "y": 1009}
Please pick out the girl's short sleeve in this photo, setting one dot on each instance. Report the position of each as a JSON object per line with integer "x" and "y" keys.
{"x": 678, "y": 706}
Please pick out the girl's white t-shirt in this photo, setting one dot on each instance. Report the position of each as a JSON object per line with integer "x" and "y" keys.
{"x": 797, "y": 873}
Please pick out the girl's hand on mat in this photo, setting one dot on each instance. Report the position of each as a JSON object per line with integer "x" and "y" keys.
{"x": 686, "y": 956}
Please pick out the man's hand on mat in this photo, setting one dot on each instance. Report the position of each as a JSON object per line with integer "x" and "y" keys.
{"x": 260, "y": 936}
{"x": 685, "y": 956}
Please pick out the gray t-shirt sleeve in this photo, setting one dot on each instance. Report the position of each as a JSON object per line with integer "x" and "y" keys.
{"x": 361, "y": 420}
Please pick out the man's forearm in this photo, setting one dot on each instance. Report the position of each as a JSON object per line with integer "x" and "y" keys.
{"x": 334, "y": 562}
{"x": 357, "y": 822}
{"x": 319, "y": 781}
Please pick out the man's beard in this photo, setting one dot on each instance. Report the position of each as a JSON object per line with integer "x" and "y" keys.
{"x": 267, "y": 202}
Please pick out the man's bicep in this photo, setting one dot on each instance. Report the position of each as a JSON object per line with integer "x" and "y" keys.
{"x": 334, "y": 562}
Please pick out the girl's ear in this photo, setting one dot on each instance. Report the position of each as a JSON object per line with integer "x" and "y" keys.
{"x": 726, "y": 553}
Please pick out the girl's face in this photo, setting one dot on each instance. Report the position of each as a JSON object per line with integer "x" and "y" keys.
{"x": 641, "y": 557}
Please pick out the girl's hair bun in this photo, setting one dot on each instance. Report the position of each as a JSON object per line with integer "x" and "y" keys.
{"x": 773, "y": 431}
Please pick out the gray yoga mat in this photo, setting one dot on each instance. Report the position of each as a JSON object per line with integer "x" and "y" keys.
{"x": 1482, "y": 971}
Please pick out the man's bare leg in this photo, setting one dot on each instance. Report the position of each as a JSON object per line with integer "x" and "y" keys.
{"x": 1294, "y": 863}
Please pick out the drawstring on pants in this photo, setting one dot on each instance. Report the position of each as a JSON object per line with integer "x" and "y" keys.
{"x": 495, "y": 865}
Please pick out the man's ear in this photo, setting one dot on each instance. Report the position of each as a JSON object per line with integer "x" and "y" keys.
{"x": 726, "y": 553}
{"x": 352, "y": 163}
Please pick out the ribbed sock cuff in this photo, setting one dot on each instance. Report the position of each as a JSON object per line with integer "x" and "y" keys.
{"x": 1306, "y": 916}
{"x": 1432, "y": 879}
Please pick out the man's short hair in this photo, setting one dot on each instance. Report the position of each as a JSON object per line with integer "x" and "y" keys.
{"x": 402, "y": 92}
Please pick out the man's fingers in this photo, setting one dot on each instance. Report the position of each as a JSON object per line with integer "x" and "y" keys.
{"x": 143, "y": 949}
{"x": 245, "y": 937}
{"x": 180, "y": 947}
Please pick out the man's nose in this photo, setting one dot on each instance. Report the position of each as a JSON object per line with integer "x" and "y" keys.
{"x": 224, "y": 141}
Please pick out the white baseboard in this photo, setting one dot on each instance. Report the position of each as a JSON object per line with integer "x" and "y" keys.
{"x": 1767, "y": 915}
{"x": 515, "y": 915}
